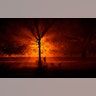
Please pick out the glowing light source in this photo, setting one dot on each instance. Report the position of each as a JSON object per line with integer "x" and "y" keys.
{"x": 45, "y": 48}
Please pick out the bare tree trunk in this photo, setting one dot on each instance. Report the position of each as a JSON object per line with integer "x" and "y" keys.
{"x": 39, "y": 47}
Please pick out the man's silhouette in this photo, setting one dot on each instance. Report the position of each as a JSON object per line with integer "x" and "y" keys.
{"x": 44, "y": 59}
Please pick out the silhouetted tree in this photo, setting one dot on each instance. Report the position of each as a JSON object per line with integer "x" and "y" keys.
{"x": 88, "y": 34}
{"x": 33, "y": 25}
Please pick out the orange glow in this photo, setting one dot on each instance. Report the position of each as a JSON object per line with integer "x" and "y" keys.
{"x": 45, "y": 48}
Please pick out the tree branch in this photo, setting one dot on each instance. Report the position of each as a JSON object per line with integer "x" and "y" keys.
{"x": 30, "y": 27}
{"x": 44, "y": 32}
{"x": 36, "y": 26}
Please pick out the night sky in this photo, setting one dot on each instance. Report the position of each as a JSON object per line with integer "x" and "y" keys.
{"x": 64, "y": 37}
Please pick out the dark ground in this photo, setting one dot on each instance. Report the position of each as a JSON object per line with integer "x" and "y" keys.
{"x": 5, "y": 72}
{"x": 29, "y": 73}
{"x": 76, "y": 69}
